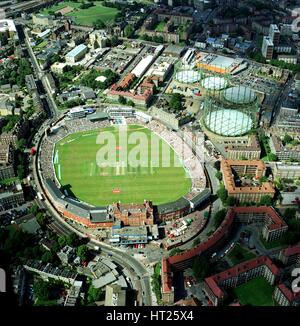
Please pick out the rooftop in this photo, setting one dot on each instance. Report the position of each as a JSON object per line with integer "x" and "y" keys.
{"x": 173, "y": 206}
{"x": 214, "y": 281}
{"x": 7, "y": 25}
{"x": 76, "y": 50}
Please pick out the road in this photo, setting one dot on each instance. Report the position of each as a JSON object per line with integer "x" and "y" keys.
{"x": 283, "y": 95}
{"x": 41, "y": 76}
{"x": 60, "y": 226}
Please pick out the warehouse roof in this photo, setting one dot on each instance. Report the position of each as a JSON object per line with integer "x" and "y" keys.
{"x": 76, "y": 50}
{"x": 173, "y": 206}
{"x": 100, "y": 215}
{"x": 97, "y": 116}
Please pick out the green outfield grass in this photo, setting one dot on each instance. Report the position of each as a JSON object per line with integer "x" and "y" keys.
{"x": 257, "y": 292}
{"x": 76, "y": 166}
{"x": 85, "y": 16}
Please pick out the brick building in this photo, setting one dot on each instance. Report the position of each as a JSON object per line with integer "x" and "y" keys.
{"x": 249, "y": 151}
{"x": 290, "y": 255}
{"x": 6, "y": 161}
{"x": 133, "y": 215}
{"x": 271, "y": 225}
{"x": 284, "y": 296}
{"x": 233, "y": 170}
{"x": 215, "y": 286}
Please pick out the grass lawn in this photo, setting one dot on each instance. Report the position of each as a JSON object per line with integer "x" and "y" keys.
{"x": 7, "y": 182}
{"x": 240, "y": 254}
{"x": 160, "y": 27}
{"x": 46, "y": 303}
{"x": 77, "y": 170}
{"x": 41, "y": 45}
{"x": 85, "y": 16}
{"x": 257, "y": 292}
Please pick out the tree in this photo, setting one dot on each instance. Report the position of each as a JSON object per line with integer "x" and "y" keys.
{"x": 42, "y": 219}
{"x": 287, "y": 139}
{"x": 73, "y": 240}
{"x": 156, "y": 281}
{"x": 62, "y": 241}
{"x": 290, "y": 238}
{"x": 289, "y": 213}
{"x": 217, "y": 165}
{"x": 206, "y": 214}
{"x": 32, "y": 252}
{"x": 131, "y": 103}
{"x": 47, "y": 257}
{"x": 230, "y": 201}
{"x": 176, "y": 102}
{"x": 200, "y": 267}
{"x": 219, "y": 217}
{"x": 114, "y": 41}
{"x": 278, "y": 183}
{"x": 42, "y": 290}
{"x": 99, "y": 24}
{"x": 20, "y": 171}
{"x": 263, "y": 179}
{"x": 272, "y": 157}
{"x": 222, "y": 193}
{"x": 34, "y": 209}
{"x": 21, "y": 143}
{"x": 82, "y": 252}
{"x": 129, "y": 31}
{"x": 219, "y": 175}
{"x": 265, "y": 200}
{"x": 122, "y": 100}
{"x": 94, "y": 294}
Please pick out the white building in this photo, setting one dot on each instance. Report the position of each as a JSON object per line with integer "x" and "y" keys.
{"x": 188, "y": 57}
{"x": 274, "y": 34}
{"x": 143, "y": 66}
{"x": 161, "y": 67}
{"x": 98, "y": 39}
{"x": 7, "y": 27}
{"x": 267, "y": 48}
{"x": 77, "y": 112}
{"x": 76, "y": 54}
{"x": 288, "y": 58}
{"x": 58, "y": 67}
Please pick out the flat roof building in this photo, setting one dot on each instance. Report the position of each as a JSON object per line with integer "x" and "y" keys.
{"x": 215, "y": 286}
{"x": 76, "y": 54}
{"x": 249, "y": 151}
{"x": 7, "y": 27}
{"x": 234, "y": 174}
{"x": 274, "y": 34}
{"x": 58, "y": 67}
{"x": 288, "y": 171}
{"x": 142, "y": 66}
{"x": 115, "y": 296}
{"x": 130, "y": 235}
{"x": 267, "y": 48}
